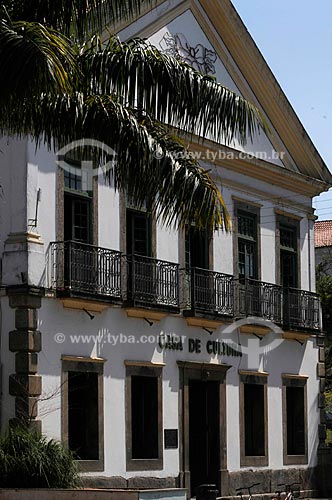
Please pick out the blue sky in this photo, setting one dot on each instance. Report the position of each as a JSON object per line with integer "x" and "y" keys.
{"x": 295, "y": 38}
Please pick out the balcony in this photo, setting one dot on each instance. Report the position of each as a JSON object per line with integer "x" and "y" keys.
{"x": 221, "y": 295}
{"x": 291, "y": 308}
{"x": 211, "y": 292}
{"x": 95, "y": 273}
{"x": 301, "y": 310}
{"x": 152, "y": 282}
{"x": 260, "y": 299}
{"x": 78, "y": 268}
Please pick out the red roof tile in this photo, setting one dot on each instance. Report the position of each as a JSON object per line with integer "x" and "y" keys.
{"x": 323, "y": 233}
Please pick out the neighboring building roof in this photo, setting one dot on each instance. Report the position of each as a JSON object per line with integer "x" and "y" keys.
{"x": 323, "y": 233}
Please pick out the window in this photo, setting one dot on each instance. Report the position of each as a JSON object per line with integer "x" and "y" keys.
{"x": 287, "y": 251}
{"x": 77, "y": 218}
{"x": 253, "y": 419}
{"x": 138, "y": 242}
{"x": 138, "y": 233}
{"x": 82, "y": 410}
{"x": 144, "y": 417}
{"x": 140, "y": 269}
{"x": 246, "y": 261}
{"x": 295, "y": 419}
{"x": 247, "y": 245}
{"x": 197, "y": 248}
{"x": 288, "y": 255}
{"x": 199, "y": 284}
{"x": 80, "y": 263}
{"x": 77, "y": 224}
{"x": 83, "y": 417}
{"x": 72, "y": 180}
{"x": 77, "y": 201}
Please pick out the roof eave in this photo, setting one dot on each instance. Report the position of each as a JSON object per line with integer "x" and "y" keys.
{"x": 274, "y": 102}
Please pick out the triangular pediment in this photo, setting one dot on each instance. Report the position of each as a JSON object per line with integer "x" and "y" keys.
{"x": 211, "y": 37}
{"x": 183, "y": 37}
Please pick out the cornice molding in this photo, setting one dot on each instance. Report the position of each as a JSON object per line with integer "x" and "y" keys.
{"x": 249, "y": 198}
{"x": 284, "y": 213}
{"x": 261, "y": 169}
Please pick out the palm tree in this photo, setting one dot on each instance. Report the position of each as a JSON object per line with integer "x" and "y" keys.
{"x": 59, "y": 83}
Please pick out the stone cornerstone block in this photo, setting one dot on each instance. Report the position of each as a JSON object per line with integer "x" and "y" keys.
{"x": 26, "y": 407}
{"x": 25, "y": 340}
{"x": 36, "y": 426}
{"x": 321, "y": 369}
{"x": 26, "y": 362}
{"x": 321, "y": 355}
{"x": 25, "y": 385}
{"x": 24, "y": 301}
{"x": 320, "y": 340}
{"x": 26, "y": 319}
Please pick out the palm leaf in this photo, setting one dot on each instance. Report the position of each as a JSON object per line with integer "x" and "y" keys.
{"x": 33, "y": 59}
{"x": 118, "y": 95}
{"x": 74, "y": 17}
{"x": 168, "y": 89}
{"x": 173, "y": 183}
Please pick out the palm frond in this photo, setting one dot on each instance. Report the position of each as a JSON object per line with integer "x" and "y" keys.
{"x": 180, "y": 190}
{"x": 60, "y": 91}
{"x": 173, "y": 183}
{"x": 75, "y": 17}
{"x": 33, "y": 59}
{"x": 170, "y": 90}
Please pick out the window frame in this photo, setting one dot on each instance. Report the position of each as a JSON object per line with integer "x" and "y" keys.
{"x": 71, "y": 199}
{"x": 290, "y": 221}
{"x": 289, "y": 380}
{"x": 145, "y": 369}
{"x": 60, "y": 203}
{"x": 207, "y": 241}
{"x": 259, "y": 378}
{"x": 253, "y": 210}
{"x": 125, "y": 205}
{"x": 84, "y": 365}
{"x": 131, "y": 214}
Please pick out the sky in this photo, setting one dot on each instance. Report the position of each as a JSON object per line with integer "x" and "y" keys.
{"x": 295, "y": 38}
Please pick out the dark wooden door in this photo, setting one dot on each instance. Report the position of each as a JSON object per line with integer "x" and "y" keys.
{"x": 204, "y": 433}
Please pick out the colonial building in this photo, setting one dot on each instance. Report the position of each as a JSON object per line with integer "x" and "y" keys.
{"x": 169, "y": 358}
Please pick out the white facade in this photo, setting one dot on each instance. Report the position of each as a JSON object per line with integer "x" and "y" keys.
{"x": 277, "y": 192}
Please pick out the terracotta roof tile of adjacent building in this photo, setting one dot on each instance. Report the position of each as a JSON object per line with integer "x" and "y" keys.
{"x": 323, "y": 233}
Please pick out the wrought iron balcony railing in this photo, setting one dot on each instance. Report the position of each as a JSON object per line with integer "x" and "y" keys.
{"x": 211, "y": 292}
{"x": 217, "y": 293}
{"x": 79, "y": 267}
{"x": 301, "y": 309}
{"x": 260, "y": 299}
{"x": 152, "y": 281}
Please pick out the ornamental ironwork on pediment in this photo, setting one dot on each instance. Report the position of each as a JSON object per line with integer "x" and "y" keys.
{"x": 198, "y": 56}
